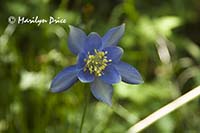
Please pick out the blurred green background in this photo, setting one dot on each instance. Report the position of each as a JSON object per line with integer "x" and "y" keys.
{"x": 162, "y": 40}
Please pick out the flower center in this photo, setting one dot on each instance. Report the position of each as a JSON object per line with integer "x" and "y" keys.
{"x": 96, "y": 63}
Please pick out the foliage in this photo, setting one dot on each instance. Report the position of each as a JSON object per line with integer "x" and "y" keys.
{"x": 161, "y": 40}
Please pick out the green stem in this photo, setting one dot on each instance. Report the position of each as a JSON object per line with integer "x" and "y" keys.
{"x": 85, "y": 109}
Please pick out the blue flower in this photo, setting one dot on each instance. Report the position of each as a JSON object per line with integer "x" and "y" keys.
{"x": 98, "y": 63}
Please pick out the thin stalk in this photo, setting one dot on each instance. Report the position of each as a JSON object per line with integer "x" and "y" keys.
{"x": 87, "y": 99}
{"x": 194, "y": 93}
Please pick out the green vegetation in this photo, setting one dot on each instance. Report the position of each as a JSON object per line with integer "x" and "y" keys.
{"x": 162, "y": 40}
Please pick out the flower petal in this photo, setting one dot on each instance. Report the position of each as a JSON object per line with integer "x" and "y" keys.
{"x": 93, "y": 42}
{"x": 80, "y": 60}
{"x": 129, "y": 74}
{"x": 114, "y": 53}
{"x": 111, "y": 75}
{"x": 85, "y": 76}
{"x": 113, "y": 36}
{"x": 65, "y": 79}
{"x": 76, "y": 39}
{"x": 102, "y": 91}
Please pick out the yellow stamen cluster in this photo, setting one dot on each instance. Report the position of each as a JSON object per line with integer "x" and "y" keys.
{"x": 96, "y": 63}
